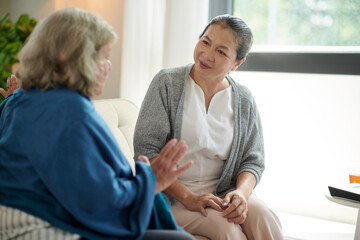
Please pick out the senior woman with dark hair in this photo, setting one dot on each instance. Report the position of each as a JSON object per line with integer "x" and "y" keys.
{"x": 62, "y": 174}
{"x": 218, "y": 118}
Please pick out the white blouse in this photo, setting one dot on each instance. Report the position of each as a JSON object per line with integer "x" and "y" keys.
{"x": 209, "y": 136}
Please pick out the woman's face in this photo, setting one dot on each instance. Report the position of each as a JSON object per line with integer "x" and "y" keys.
{"x": 104, "y": 66}
{"x": 215, "y": 53}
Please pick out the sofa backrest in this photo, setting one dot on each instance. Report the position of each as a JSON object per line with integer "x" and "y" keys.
{"x": 121, "y": 116}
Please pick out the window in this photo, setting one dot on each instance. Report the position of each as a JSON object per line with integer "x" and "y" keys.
{"x": 310, "y": 36}
{"x": 302, "y": 22}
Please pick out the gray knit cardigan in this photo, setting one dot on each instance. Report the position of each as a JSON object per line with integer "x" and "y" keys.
{"x": 160, "y": 120}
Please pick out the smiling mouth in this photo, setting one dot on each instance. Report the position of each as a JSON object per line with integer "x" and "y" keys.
{"x": 203, "y": 65}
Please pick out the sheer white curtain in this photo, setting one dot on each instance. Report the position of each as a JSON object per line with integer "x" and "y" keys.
{"x": 157, "y": 34}
{"x": 141, "y": 46}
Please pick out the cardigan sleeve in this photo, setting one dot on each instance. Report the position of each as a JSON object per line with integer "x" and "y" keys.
{"x": 253, "y": 154}
{"x": 153, "y": 127}
{"x": 247, "y": 153}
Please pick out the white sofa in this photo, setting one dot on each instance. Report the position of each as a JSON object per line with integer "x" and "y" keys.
{"x": 121, "y": 115}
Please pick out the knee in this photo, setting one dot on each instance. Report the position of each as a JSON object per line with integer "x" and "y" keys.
{"x": 220, "y": 228}
{"x": 259, "y": 211}
{"x": 262, "y": 219}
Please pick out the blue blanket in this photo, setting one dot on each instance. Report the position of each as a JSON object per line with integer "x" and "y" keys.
{"x": 60, "y": 162}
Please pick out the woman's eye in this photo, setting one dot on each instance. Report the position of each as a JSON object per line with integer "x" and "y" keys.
{"x": 221, "y": 52}
{"x": 205, "y": 42}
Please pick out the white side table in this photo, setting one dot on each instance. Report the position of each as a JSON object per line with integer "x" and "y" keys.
{"x": 349, "y": 203}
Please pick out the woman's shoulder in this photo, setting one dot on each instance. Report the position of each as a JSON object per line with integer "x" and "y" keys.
{"x": 175, "y": 70}
{"x": 170, "y": 80}
{"x": 242, "y": 91}
{"x": 170, "y": 75}
{"x": 62, "y": 100}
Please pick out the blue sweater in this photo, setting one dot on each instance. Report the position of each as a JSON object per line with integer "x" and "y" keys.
{"x": 60, "y": 162}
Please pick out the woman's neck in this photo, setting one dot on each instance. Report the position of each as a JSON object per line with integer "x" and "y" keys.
{"x": 209, "y": 86}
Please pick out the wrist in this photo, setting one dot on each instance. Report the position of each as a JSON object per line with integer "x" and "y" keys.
{"x": 187, "y": 198}
{"x": 243, "y": 193}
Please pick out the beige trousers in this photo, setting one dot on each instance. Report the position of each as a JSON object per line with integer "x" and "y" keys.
{"x": 261, "y": 223}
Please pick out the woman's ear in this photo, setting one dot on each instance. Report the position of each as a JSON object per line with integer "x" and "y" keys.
{"x": 238, "y": 63}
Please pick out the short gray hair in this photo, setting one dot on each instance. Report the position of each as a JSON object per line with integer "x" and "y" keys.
{"x": 62, "y": 51}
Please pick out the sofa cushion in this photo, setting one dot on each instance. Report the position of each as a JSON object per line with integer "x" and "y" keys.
{"x": 121, "y": 116}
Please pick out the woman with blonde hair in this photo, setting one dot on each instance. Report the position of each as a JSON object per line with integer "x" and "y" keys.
{"x": 62, "y": 173}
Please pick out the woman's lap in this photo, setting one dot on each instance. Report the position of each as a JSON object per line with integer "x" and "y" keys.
{"x": 261, "y": 223}
{"x": 213, "y": 226}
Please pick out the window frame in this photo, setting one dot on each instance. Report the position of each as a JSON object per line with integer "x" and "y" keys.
{"x": 339, "y": 62}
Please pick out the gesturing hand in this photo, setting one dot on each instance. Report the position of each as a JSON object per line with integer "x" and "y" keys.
{"x": 165, "y": 165}
{"x": 198, "y": 202}
{"x": 12, "y": 84}
{"x": 237, "y": 207}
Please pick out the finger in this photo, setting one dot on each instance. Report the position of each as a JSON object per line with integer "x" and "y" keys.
{"x": 230, "y": 209}
{"x": 183, "y": 168}
{"x": 203, "y": 212}
{"x": 12, "y": 81}
{"x": 218, "y": 201}
{"x": 177, "y": 152}
{"x": 214, "y": 205}
{"x": 226, "y": 199}
{"x": 3, "y": 92}
{"x": 180, "y": 152}
{"x": 13, "y": 84}
{"x": 168, "y": 147}
{"x": 175, "y": 155}
{"x": 163, "y": 159}
{"x": 234, "y": 214}
{"x": 240, "y": 209}
{"x": 237, "y": 220}
{"x": 144, "y": 159}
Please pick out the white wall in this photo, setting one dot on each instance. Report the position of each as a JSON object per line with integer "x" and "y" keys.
{"x": 311, "y": 128}
{"x": 38, "y": 9}
{"x": 5, "y": 7}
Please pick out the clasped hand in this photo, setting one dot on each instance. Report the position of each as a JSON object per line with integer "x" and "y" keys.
{"x": 233, "y": 206}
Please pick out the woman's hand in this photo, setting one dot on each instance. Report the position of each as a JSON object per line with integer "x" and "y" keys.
{"x": 237, "y": 208}
{"x": 198, "y": 202}
{"x": 12, "y": 84}
{"x": 165, "y": 167}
